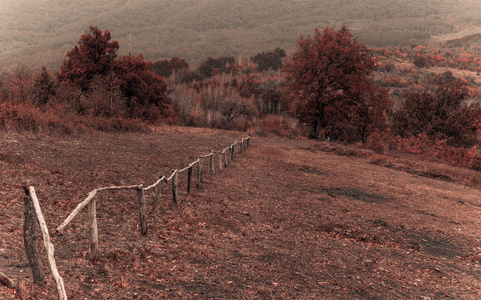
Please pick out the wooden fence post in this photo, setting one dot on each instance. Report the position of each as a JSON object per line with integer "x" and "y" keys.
{"x": 211, "y": 162}
{"x": 197, "y": 179}
{"x": 142, "y": 219}
{"x": 93, "y": 229}
{"x": 29, "y": 239}
{"x": 200, "y": 170}
{"x": 189, "y": 179}
{"x": 48, "y": 245}
{"x": 232, "y": 152}
{"x": 225, "y": 157}
{"x": 241, "y": 146}
{"x": 175, "y": 188}
{"x": 158, "y": 193}
{"x": 220, "y": 162}
{"x": 248, "y": 141}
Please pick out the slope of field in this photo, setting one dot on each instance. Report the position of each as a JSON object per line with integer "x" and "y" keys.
{"x": 42, "y": 31}
{"x": 287, "y": 219}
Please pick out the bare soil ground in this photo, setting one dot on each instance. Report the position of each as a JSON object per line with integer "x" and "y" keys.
{"x": 288, "y": 219}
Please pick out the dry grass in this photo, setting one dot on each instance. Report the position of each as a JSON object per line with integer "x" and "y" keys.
{"x": 289, "y": 219}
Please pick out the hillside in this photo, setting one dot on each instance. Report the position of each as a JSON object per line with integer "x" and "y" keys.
{"x": 287, "y": 219}
{"x": 40, "y": 32}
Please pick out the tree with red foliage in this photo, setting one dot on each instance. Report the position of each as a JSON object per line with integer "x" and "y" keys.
{"x": 112, "y": 85}
{"x": 330, "y": 87}
{"x": 440, "y": 116}
{"x": 177, "y": 65}
{"x": 145, "y": 91}
{"x": 93, "y": 55}
{"x": 162, "y": 68}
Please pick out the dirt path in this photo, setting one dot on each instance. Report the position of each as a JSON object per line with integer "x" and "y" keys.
{"x": 285, "y": 220}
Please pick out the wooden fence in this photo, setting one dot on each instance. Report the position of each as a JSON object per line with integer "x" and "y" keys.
{"x": 33, "y": 211}
{"x": 225, "y": 157}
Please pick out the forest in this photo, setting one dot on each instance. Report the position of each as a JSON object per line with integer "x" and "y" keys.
{"x": 39, "y": 32}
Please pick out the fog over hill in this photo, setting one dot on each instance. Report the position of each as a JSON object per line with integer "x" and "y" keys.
{"x": 36, "y": 32}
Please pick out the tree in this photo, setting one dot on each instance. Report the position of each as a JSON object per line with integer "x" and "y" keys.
{"x": 162, "y": 68}
{"x": 18, "y": 86}
{"x": 213, "y": 66}
{"x": 44, "y": 87}
{"x": 421, "y": 61}
{"x": 330, "y": 87}
{"x": 105, "y": 97}
{"x": 93, "y": 55}
{"x": 111, "y": 86}
{"x": 177, "y": 65}
{"x": 269, "y": 60}
{"x": 439, "y": 115}
{"x": 145, "y": 91}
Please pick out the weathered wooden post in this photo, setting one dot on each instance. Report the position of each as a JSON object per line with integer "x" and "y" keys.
{"x": 197, "y": 178}
{"x": 241, "y": 146}
{"x": 93, "y": 229}
{"x": 232, "y": 152}
{"x": 48, "y": 245}
{"x": 225, "y": 157}
{"x": 200, "y": 169}
{"x": 220, "y": 162}
{"x": 29, "y": 239}
{"x": 248, "y": 141}
{"x": 175, "y": 187}
{"x": 211, "y": 162}
{"x": 189, "y": 179}
{"x": 158, "y": 193}
{"x": 142, "y": 219}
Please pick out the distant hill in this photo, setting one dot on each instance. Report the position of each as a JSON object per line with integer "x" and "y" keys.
{"x": 40, "y": 32}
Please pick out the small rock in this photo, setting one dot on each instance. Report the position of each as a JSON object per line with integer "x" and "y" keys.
{"x": 368, "y": 263}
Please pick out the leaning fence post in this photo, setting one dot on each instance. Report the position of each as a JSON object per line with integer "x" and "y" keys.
{"x": 175, "y": 188}
{"x": 189, "y": 179}
{"x": 29, "y": 239}
{"x": 142, "y": 219}
{"x": 93, "y": 229}
{"x": 48, "y": 245}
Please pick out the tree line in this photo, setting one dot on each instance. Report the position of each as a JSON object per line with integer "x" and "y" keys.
{"x": 327, "y": 85}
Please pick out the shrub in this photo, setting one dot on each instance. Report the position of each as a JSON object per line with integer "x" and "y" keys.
{"x": 279, "y": 126}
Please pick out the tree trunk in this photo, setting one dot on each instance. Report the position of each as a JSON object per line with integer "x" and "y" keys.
{"x": 314, "y": 134}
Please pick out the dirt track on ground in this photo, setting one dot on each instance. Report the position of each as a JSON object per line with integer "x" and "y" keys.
{"x": 285, "y": 220}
